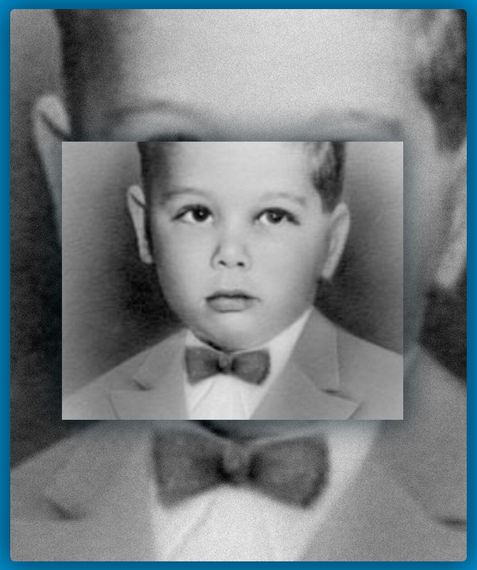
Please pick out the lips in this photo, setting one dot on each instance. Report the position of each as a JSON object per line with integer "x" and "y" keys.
{"x": 230, "y": 301}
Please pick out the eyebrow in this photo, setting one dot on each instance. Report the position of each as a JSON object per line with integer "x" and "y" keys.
{"x": 161, "y": 106}
{"x": 328, "y": 121}
{"x": 358, "y": 125}
{"x": 301, "y": 200}
{"x": 175, "y": 191}
{"x": 381, "y": 123}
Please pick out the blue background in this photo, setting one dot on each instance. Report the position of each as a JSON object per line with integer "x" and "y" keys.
{"x": 5, "y": 8}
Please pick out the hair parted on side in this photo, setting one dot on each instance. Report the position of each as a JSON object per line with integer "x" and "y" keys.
{"x": 326, "y": 166}
{"x": 328, "y": 160}
{"x": 440, "y": 70}
{"x": 85, "y": 37}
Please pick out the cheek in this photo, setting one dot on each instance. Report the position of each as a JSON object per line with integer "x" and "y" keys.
{"x": 304, "y": 253}
{"x": 180, "y": 255}
{"x": 296, "y": 264}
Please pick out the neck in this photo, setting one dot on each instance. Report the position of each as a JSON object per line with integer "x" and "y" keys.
{"x": 298, "y": 322}
{"x": 254, "y": 429}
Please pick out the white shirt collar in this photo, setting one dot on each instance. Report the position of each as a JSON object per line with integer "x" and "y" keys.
{"x": 227, "y": 397}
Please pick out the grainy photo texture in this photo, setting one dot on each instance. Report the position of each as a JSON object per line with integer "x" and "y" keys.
{"x": 243, "y": 490}
{"x": 240, "y": 239}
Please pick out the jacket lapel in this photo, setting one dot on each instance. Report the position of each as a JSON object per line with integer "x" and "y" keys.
{"x": 309, "y": 386}
{"x": 104, "y": 493}
{"x": 160, "y": 394}
{"x": 377, "y": 519}
{"x": 307, "y": 389}
{"x": 99, "y": 508}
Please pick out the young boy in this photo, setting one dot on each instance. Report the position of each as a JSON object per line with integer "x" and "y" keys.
{"x": 82, "y": 498}
{"x": 241, "y": 233}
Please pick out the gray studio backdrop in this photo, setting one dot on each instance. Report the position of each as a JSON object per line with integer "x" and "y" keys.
{"x": 35, "y": 271}
{"x": 111, "y": 306}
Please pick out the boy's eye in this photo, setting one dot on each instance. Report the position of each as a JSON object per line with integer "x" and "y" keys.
{"x": 275, "y": 216}
{"x": 194, "y": 214}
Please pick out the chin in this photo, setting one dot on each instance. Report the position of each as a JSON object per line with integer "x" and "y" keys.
{"x": 234, "y": 342}
{"x": 257, "y": 428}
{"x": 230, "y": 343}
{"x": 233, "y": 335}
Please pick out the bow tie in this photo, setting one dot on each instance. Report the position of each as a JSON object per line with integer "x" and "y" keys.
{"x": 251, "y": 366}
{"x": 291, "y": 470}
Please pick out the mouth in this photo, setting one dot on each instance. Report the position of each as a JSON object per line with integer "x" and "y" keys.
{"x": 230, "y": 301}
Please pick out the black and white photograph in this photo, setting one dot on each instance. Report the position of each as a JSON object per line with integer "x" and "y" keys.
{"x": 242, "y": 239}
{"x": 101, "y": 277}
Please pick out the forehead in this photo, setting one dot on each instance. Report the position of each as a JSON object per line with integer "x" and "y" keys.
{"x": 235, "y": 166}
{"x": 229, "y": 74}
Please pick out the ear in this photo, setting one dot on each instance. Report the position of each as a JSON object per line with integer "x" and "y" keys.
{"x": 51, "y": 126}
{"x": 452, "y": 261}
{"x": 137, "y": 211}
{"x": 337, "y": 236}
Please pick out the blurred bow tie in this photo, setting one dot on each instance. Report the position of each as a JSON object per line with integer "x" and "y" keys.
{"x": 250, "y": 366}
{"x": 292, "y": 470}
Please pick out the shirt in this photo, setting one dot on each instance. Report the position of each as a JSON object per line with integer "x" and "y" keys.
{"x": 228, "y": 397}
{"x": 239, "y": 523}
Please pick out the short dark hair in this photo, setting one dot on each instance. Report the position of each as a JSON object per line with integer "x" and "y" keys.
{"x": 440, "y": 72}
{"x": 326, "y": 167}
{"x": 328, "y": 161}
{"x": 77, "y": 63}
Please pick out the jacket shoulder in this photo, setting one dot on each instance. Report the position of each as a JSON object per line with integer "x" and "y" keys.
{"x": 29, "y": 479}
{"x": 92, "y": 402}
{"x": 372, "y": 375}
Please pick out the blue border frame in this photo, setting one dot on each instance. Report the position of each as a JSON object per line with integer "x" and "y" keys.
{"x": 5, "y": 8}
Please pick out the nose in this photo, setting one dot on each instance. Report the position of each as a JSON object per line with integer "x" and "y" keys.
{"x": 231, "y": 252}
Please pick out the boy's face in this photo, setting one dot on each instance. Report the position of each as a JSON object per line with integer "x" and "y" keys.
{"x": 270, "y": 75}
{"x": 239, "y": 238}
{"x": 248, "y": 75}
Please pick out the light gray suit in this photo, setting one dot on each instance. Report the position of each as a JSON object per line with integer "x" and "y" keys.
{"x": 330, "y": 375}
{"x": 88, "y": 498}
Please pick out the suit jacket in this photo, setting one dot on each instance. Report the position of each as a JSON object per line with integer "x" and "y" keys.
{"x": 88, "y": 498}
{"x": 331, "y": 374}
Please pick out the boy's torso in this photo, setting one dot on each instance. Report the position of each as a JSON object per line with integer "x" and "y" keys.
{"x": 330, "y": 375}
{"x": 87, "y": 499}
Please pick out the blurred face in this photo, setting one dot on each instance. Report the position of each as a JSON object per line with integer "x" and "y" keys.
{"x": 242, "y": 75}
{"x": 239, "y": 238}
{"x": 275, "y": 75}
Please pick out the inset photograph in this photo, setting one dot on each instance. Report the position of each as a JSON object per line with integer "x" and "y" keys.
{"x": 232, "y": 280}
